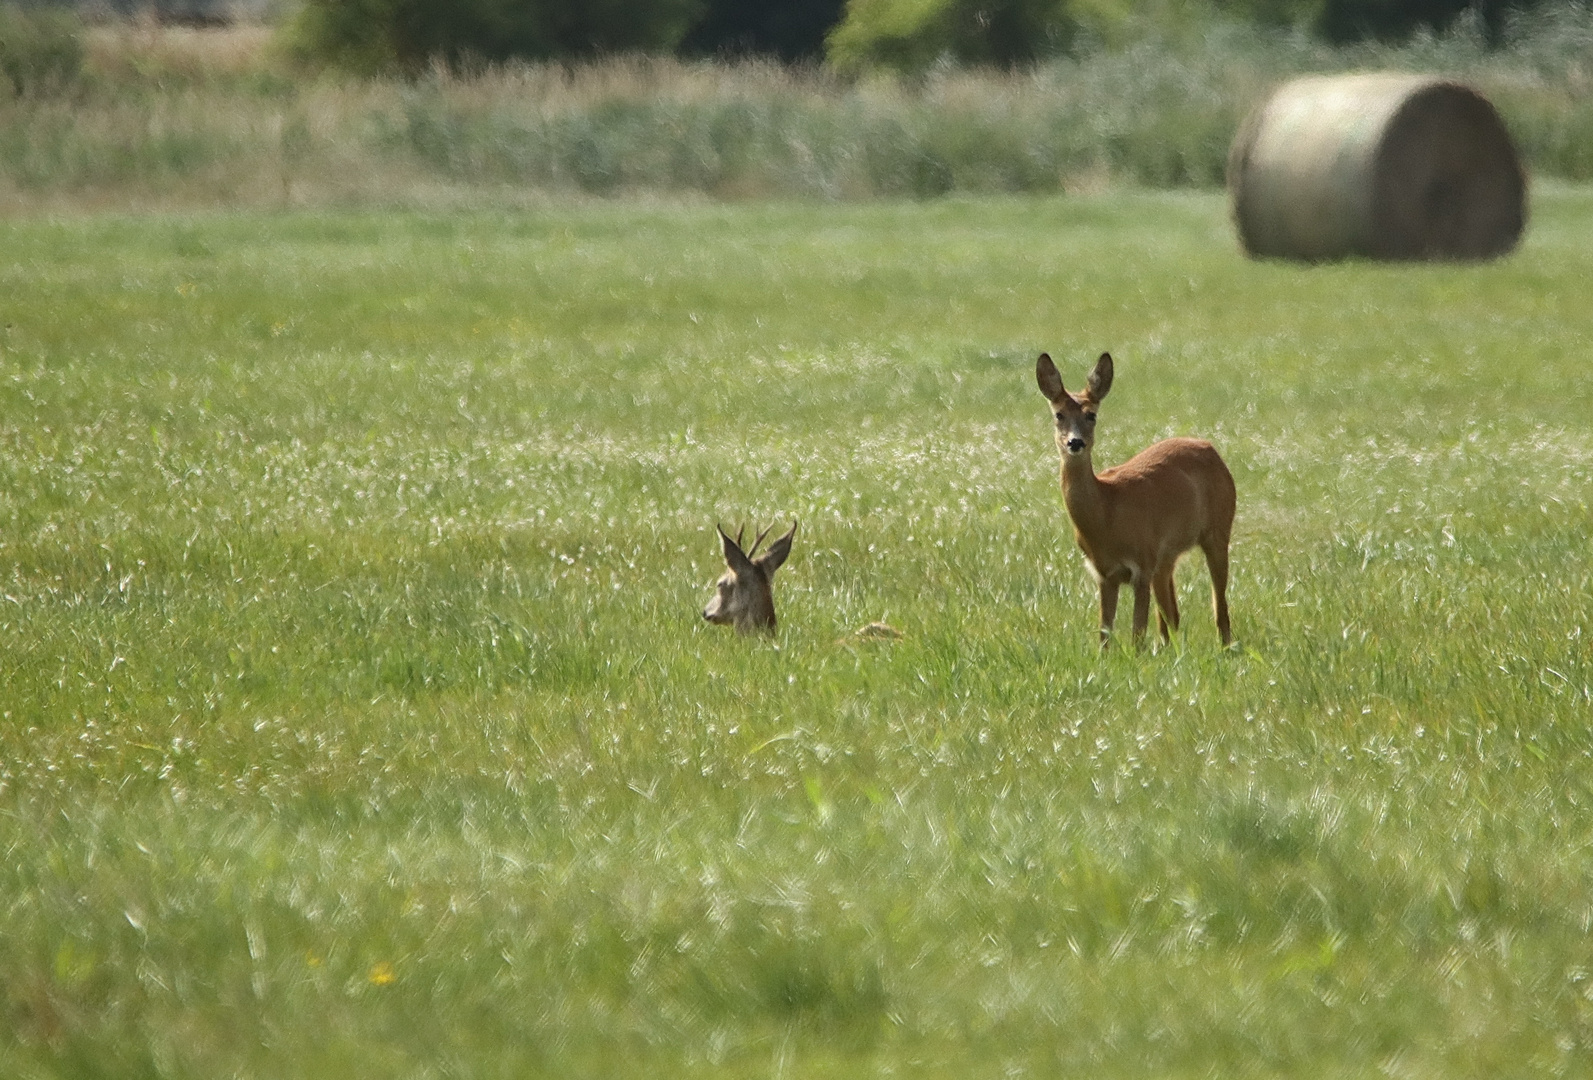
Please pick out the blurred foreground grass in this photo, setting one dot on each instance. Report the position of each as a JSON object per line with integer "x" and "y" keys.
{"x": 358, "y": 719}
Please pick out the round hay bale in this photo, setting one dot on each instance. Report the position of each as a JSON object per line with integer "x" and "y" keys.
{"x": 1381, "y": 165}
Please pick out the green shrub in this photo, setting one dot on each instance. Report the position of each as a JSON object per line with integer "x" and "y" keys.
{"x": 375, "y": 35}
{"x": 912, "y": 34}
{"x": 41, "y": 49}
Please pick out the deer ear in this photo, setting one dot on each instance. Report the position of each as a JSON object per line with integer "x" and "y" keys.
{"x": 1100, "y": 380}
{"x": 735, "y": 558}
{"x": 778, "y": 552}
{"x": 1050, "y": 381}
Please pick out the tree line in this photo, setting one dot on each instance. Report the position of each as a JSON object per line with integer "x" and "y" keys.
{"x": 902, "y": 34}
{"x": 374, "y": 36}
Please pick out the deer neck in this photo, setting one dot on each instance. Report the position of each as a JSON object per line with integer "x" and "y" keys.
{"x": 758, "y": 617}
{"x": 1082, "y": 492}
{"x": 752, "y": 625}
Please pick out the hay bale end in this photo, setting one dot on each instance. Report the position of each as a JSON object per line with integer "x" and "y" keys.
{"x": 1380, "y": 165}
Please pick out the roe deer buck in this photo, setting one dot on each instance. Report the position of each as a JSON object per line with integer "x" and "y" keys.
{"x": 1134, "y": 520}
{"x": 745, "y": 596}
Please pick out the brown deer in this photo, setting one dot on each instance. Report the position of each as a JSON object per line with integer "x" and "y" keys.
{"x": 1134, "y": 520}
{"x": 745, "y": 596}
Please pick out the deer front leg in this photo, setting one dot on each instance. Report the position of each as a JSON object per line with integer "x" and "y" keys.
{"x": 1108, "y": 609}
{"x": 1142, "y": 598}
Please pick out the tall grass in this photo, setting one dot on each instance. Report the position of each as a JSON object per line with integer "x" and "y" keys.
{"x": 182, "y": 118}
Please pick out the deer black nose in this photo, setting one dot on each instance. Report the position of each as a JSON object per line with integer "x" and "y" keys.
{"x": 1075, "y": 444}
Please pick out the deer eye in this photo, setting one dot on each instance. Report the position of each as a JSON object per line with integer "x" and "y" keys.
{"x": 1090, "y": 417}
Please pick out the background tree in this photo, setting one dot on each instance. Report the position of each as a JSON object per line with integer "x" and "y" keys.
{"x": 373, "y": 35}
{"x": 41, "y": 48}
{"x": 1342, "y": 21}
{"x": 787, "y": 29}
{"x": 911, "y": 34}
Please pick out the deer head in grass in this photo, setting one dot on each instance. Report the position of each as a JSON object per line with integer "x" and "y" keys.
{"x": 744, "y": 597}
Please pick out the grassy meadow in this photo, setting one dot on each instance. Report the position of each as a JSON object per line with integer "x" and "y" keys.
{"x": 358, "y": 718}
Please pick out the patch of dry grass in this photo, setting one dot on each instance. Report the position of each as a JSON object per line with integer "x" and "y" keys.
{"x": 134, "y": 51}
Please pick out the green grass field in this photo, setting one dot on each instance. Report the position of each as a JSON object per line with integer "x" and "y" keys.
{"x": 359, "y": 720}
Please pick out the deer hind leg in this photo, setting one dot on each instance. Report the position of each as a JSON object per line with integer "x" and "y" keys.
{"x": 1166, "y": 603}
{"x": 1216, "y": 549}
{"x": 1108, "y": 609}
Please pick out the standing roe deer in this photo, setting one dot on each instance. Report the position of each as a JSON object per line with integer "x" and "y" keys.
{"x": 1133, "y": 521}
{"x": 745, "y": 596}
